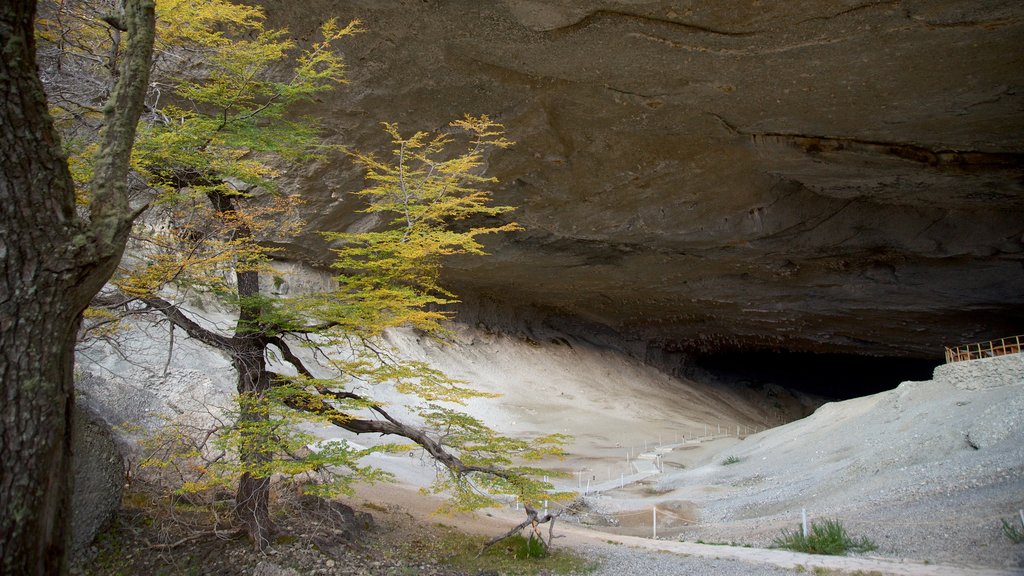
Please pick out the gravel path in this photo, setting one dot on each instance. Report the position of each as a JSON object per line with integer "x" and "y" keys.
{"x": 620, "y": 561}
{"x": 654, "y": 557}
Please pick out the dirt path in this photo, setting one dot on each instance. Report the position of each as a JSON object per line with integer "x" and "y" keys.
{"x": 407, "y": 499}
{"x": 786, "y": 559}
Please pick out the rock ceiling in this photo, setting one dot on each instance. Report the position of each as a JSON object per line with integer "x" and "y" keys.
{"x": 841, "y": 176}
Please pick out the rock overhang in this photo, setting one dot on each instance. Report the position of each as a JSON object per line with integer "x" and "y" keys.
{"x": 819, "y": 176}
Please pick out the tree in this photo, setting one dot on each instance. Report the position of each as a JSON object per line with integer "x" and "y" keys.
{"x": 52, "y": 262}
{"x": 387, "y": 278}
{"x": 210, "y": 142}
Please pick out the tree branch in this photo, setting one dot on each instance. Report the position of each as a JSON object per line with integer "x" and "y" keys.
{"x": 109, "y": 209}
{"x": 308, "y": 403}
{"x": 532, "y": 519}
{"x": 190, "y": 326}
{"x": 289, "y": 356}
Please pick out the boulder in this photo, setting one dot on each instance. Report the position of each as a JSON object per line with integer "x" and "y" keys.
{"x": 99, "y": 477}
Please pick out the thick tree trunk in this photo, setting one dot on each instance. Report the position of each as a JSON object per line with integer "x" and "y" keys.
{"x": 51, "y": 264}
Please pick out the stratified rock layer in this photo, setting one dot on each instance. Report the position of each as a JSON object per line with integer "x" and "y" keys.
{"x": 825, "y": 176}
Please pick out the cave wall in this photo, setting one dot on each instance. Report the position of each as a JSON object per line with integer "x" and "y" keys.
{"x": 822, "y": 176}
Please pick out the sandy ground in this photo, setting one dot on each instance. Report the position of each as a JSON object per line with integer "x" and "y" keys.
{"x": 404, "y": 499}
{"x": 926, "y": 470}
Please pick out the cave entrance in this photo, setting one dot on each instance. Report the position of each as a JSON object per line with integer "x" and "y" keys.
{"x": 833, "y": 376}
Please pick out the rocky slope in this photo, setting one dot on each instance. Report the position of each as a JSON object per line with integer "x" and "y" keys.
{"x": 926, "y": 471}
{"x": 839, "y": 176}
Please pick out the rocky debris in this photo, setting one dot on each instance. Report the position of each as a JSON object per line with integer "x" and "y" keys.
{"x": 342, "y": 525}
{"x": 99, "y": 477}
{"x": 926, "y": 471}
{"x": 983, "y": 372}
{"x": 268, "y": 568}
{"x": 142, "y": 544}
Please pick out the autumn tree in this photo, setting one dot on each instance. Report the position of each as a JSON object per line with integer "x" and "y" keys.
{"x": 210, "y": 142}
{"x": 53, "y": 260}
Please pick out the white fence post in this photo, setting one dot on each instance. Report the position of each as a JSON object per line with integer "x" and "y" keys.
{"x": 654, "y": 522}
{"x": 803, "y": 520}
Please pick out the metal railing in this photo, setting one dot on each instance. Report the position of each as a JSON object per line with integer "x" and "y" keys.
{"x": 1001, "y": 347}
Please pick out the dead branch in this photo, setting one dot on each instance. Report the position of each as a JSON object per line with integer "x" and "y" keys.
{"x": 198, "y": 536}
{"x": 533, "y": 520}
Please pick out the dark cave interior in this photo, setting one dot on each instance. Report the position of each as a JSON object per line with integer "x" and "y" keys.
{"x": 832, "y": 376}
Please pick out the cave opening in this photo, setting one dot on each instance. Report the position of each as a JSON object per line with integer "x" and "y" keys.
{"x": 832, "y": 376}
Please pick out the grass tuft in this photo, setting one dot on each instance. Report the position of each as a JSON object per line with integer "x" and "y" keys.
{"x": 730, "y": 460}
{"x": 825, "y": 537}
{"x": 515, "y": 556}
{"x": 1012, "y": 532}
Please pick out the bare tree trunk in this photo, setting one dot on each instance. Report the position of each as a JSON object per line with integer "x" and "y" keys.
{"x": 51, "y": 264}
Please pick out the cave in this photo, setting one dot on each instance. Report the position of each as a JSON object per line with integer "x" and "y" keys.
{"x": 829, "y": 376}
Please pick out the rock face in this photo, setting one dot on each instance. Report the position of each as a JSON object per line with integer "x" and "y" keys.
{"x": 99, "y": 477}
{"x": 841, "y": 176}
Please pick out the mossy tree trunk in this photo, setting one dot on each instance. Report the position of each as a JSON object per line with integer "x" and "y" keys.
{"x": 249, "y": 358}
{"x": 52, "y": 262}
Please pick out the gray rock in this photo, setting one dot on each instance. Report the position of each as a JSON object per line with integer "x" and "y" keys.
{"x": 983, "y": 373}
{"x": 809, "y": 175}
{"x": 268, "y": 568}
{"x": 99, "y": 477}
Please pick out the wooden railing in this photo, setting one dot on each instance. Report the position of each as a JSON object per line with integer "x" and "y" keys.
{"x": 1003, "y": 346}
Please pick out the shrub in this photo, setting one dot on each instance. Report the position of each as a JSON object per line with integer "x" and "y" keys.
{"x": 730, "y": 460}
{"x": 825, "y": 537}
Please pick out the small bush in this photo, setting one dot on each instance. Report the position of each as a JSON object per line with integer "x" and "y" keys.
{"x": 1015, "y": 534}
{"x": 510, "y": 557}
{"x": 730, "y": 460}
{"x": 825, "y": 537}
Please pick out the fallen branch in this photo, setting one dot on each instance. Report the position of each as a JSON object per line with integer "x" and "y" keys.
{"x": 533, "y": 520}
{"x": 198, "y": 536}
